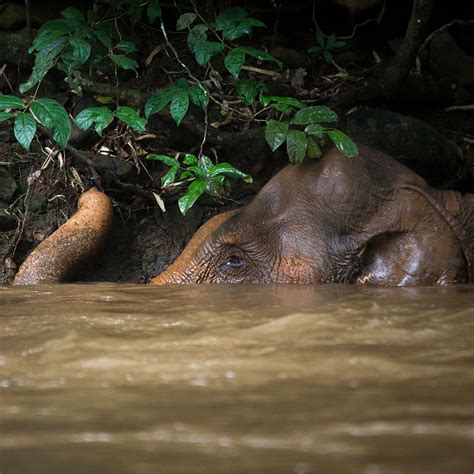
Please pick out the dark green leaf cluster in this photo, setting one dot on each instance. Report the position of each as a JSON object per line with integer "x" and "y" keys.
{"x": 102, "y": 117}
{"x": 47, "y": 112}
{"x": 177, "y": 95}
{"x": 136, "y": 8}
{"x": 205, "y": 176}
{"x": 230, "y": 25}
{"x": 306, "y": 142}
{"x": 74, "y": 42}
{"x": 326, "y": 47}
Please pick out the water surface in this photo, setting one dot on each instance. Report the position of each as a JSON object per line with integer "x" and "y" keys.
{"x": 295, "y": 379}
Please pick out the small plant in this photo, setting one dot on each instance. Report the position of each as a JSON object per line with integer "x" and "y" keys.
{"x": 73, "y": 43}
{"x": 326, "y": 47}
{"x": 47, "y": 112}
{"x": 102, "y": 117}
{"x": 204, "y": 175}
{"x": 305, "y": 142}
{"x": 177, "y": 95}
{"x": 230, "y": 25}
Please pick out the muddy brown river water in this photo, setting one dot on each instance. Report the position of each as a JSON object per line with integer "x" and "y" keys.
{"x": 115, "y": 378}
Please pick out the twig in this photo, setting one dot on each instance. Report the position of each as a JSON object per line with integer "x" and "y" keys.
{"x": 459, "y": 107}
{"x": 2, "y": 73}
{"x": 266, "y": 72}
{"x": 28, "y": 19}
{"x": 358, "y": 25}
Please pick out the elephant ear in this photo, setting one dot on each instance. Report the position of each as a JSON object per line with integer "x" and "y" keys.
{"x": 421, "y": 246}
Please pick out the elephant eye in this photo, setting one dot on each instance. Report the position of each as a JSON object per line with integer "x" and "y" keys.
{"x": 235, "y": 261}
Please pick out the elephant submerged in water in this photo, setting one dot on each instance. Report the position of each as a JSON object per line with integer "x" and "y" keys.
{"x": 365, "y": 220}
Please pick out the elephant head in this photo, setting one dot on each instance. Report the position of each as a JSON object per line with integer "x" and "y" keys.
{"x": 361, "y": 220}
{"x": 349, "y": 220}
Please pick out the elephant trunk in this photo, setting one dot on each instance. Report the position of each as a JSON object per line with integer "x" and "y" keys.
{"x": 65, "y": 251}
{"x": 188, "y": 267}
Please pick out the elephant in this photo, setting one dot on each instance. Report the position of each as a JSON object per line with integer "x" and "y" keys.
{"x": 365, "y": 220}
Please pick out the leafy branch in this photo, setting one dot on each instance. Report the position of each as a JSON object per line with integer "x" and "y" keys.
{"x": 204, "y": 177}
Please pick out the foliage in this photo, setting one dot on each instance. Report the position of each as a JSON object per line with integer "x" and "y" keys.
{"x": 73, "y": 43}
{"x": 203, "y": 174}
{"x": 326, "y": 47}
{"x": 47, "y": 112}
{"x": 177, "y": 95}
{"x": 102, "y": 117}
{"x": 230, "y": 25}
{"x": 79, "y": 42}
{"x": 301, "y": 143}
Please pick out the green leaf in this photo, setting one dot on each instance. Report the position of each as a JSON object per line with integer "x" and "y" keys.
{"x": 103, "y": 36}
{"x": 330, "y": 41}
{"x": 252, "y": 22}
{"x": 314, "y": 129}
{"x": 296, "y": 145}
{"x": 230, "y": 15}
{"x": 6, "y": 116}
{"x": 153, "y": 11}
{"x": 199, "y": 96}
{"x": 190, "y": 159}
{"x": 24, "y": 129}
{"x": 327, "y": 56}
{"x": 320, "y": 39}
{"x": 265, "y": 100}
{"x": 343, "y": 143}
{"x": 56, "y": 27}
{"x": 101, "y": 116}
{"x": 205, "y": 163}
{"x": 10, "y": 102}
{"x": 48, "y": 112}
{"x": 167, "y": 160}
{"x": 127, "y": 46}
{"x": 52, "y": 115}
{"x": 197, "y": 171}
{"x": 156, "y": 102}
{"x": 315, "y": 114}
{"x": 315, "y": 50}
{"x": 81, "y": 50}
{"x": 44, "y": 62}
{"x": 185, "y": 20}
{"x": 124, "y": 62}
{"x": 204, "y": 51}
{"x": 196, "y": 36}
{"x": 179, "y": 105}
{"x": 226, "y": 169}
{"x": 248, "y": 89}
{"x": 130, "y": 116}
{"x": 236, "y": 31}
{"x": 73, "y": 15}
{"x": 195, "y": 190}
{"x": 180, "y": 83}
{"x": 170, "y": 176}
{"x": 275, "y": 133}
{"x": 215, "y": 185}
{"x": 313, "y": 149}
{"x": 234, "y": 61}
{"x": 256, "y": 53}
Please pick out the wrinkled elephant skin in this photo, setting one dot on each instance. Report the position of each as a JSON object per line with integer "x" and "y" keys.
{"x": 66, "y": 251}
{"x": 349, "y": 220}
{"x": 365, "y": 220}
